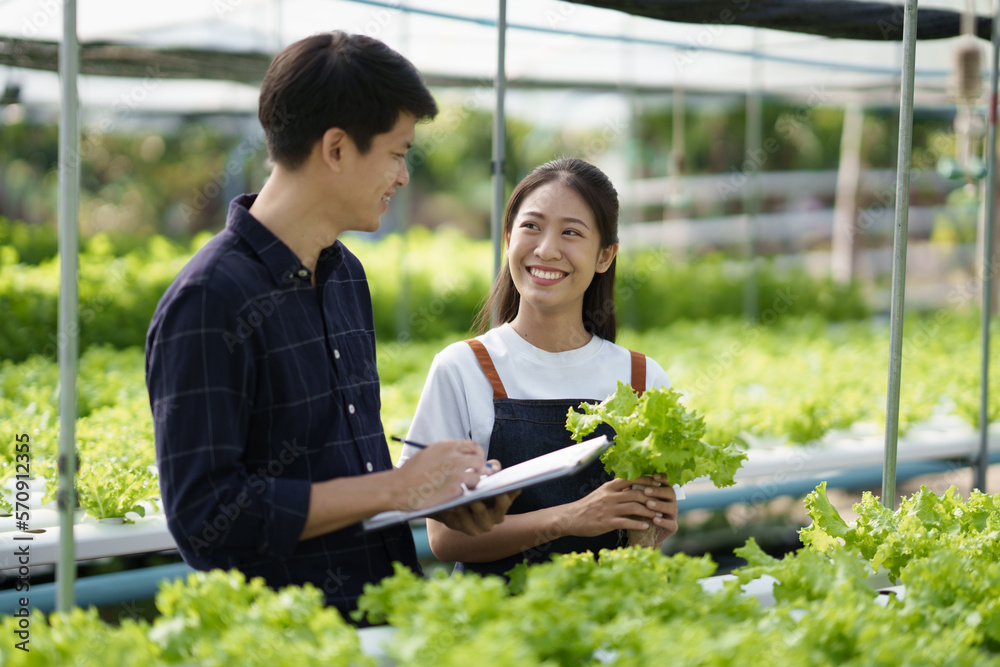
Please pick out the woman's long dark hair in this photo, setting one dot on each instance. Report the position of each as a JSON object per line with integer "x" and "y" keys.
{"x": 599, "y": 194}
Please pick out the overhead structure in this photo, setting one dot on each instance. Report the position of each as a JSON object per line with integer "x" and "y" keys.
{"x": 706, "y": 45}
{"x": 138, "y": 61}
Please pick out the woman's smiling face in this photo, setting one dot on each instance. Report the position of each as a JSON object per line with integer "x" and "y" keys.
{"x": 554, "y": 249}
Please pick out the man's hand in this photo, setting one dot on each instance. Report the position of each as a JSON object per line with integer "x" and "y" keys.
{"x": 438, "y": 473}
{"x": 431, "y": 476}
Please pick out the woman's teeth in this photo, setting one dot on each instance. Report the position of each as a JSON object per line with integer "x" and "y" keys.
{"x": 546, "y": 275}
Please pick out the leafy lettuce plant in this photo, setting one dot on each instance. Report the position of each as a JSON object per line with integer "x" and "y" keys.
{"x": 923, "y": 523}
{"x": 110, "y": 490}
{"x": 77, "y": 637}
{"x": 655, "y": 433}
{"x": 572, "y": 610}
{"x": 806, "y": 575}
{"x": 220, "y": 618}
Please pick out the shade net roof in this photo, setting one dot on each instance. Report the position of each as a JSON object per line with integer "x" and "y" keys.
{"x": 842, "y": 19}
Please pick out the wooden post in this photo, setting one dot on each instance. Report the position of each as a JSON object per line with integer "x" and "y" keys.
{"x": 845, "y": 208}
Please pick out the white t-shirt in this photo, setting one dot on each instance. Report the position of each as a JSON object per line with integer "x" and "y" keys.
{"x": 457, "y": 399}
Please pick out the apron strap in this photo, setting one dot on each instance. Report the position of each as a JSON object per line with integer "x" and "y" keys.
{"x": 488, "y": 368}
{"x": 638, "y": 372}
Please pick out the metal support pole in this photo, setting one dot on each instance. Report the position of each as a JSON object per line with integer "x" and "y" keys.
{"x": 499, "y": 159}
{"x": 989, "y": 215}
{"x": 69, "y": 242}
{"x": 633, "y": 155}
{"x": 278, "y": 26}
{"x": 402, "y": 210}
{"x": 753, "y": 155}
{"x": 899, "y": 253}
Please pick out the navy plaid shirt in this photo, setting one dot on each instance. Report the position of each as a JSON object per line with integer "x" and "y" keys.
{"x": 261, "y": 385}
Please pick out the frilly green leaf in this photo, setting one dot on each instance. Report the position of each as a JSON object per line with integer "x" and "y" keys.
{"x": 655, "y": 433}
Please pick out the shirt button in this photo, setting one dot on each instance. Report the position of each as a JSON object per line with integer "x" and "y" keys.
{"x": 369, "y": 466}
{"x": 350, "y": 408}
{"x": 336, "y": 354}
{"x": 303, "y": 273}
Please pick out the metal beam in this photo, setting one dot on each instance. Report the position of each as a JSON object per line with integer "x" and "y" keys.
{"x": 989, "y": 214}
{"x": 499, "y": 136}
{"x": 67, "y": 334}
{"x": 899, "y": 253}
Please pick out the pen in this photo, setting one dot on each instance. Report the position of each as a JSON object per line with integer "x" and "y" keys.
{"x": 418, "y": 445}
{"x": 409, "y": 442}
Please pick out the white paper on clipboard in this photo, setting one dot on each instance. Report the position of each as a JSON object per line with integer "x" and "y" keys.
{"x": 553, "y": 465}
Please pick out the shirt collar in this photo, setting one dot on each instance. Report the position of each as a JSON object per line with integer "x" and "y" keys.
{"x": 283, "y": 264}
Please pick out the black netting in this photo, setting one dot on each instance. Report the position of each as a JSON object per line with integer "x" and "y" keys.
{"x": 848, "y": 19}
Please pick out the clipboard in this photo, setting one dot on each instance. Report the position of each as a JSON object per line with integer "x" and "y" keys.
{"x": 560, "y": 463}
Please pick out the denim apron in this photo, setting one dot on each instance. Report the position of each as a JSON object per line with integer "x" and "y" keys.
{"x": 524, "y": 429}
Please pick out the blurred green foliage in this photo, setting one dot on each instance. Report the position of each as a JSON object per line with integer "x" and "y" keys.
{"x": 653, "y": 289}
{"x": 788, "y": 379}
{"x": 416, "y": 295}
{"x": 958, "y": 224}
{"x": 142, "y": 182}
{"x": 451, "y": 166}
{"x": 806, "y": 132}
{"x": 117, "y": 294}
{"x": 176, "y": 177}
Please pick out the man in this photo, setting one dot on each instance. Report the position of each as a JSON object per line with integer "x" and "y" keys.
{"x": 260, "y": 359}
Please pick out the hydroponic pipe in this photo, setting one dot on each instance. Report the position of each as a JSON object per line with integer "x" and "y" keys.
{"x": 67, "y": 342}
{"x": 758, "y": 494}
{"x": 989, "y": 217}
{"x": 899, "y": 253}
{"x": 103, "y": 590}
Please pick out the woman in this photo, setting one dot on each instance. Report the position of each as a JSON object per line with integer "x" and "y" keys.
{"x": 510, "y": 388}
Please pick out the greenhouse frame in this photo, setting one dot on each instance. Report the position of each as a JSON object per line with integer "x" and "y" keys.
{"x": 881, "y": 27}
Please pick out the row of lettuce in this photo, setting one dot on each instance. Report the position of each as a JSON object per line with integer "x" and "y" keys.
{"x": 798, "y": 380}
{"x": 114, "y": 432}
{"x": 632, "y": 607}
{"x": 424, "y": 285}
